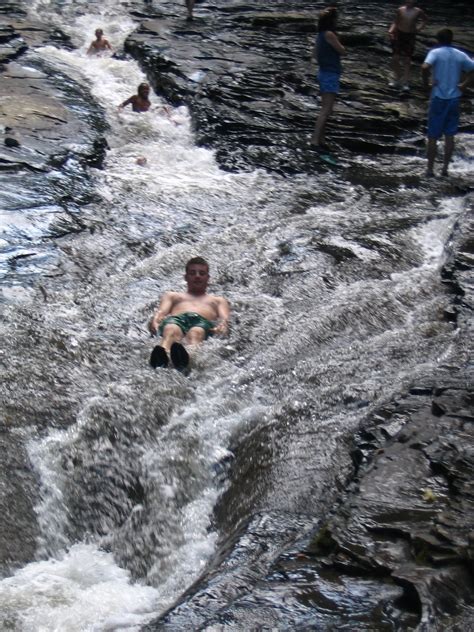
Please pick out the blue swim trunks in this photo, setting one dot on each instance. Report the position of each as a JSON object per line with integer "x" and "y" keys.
{"x": 186, "y": 321}
{"x": 443, "y": 117}
{"x": 328, "y": 81}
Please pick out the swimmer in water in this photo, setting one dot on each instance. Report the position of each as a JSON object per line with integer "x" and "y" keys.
{"x": 100, "y": 44}
{"x": 140, "y": 101}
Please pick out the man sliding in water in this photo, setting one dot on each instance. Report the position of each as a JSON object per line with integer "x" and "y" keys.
{"x": 188, "y": 316}
{"x": 100, "y": 44}
{"x": 140, "y": 102}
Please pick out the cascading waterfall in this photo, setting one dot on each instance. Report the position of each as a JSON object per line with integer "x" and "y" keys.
{"x": 129, "y": 476}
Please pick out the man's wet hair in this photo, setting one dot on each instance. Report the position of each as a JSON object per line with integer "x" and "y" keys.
{"x": 197, "y": 260}
{"x": 444, "y": 36}
{"x": 327, "y": 19}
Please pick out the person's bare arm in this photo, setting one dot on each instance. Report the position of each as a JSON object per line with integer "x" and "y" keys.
{"x": 164, "y": 309}
{"x": 223, "y": 315}
{"x": 107, "y": 44}
{"x": 422, "y": 19}
{"x": 425, "y": 75}
{"x": 331, "y": 38}
{"x": 126, "y": 102}
{"x": 394, "y": 26}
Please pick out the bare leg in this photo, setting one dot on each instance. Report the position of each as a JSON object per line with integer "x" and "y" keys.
{"x": 171, "y": 333}
{"x": 190, "y": 7}
{"x": 396, "y": 67}
{"x": 431, "y": 153}
{"x": 327, "y": 106}
{"x": 406, "y": 70}
{"x": 448, "y": 153}
{"x": 195, "y": 336}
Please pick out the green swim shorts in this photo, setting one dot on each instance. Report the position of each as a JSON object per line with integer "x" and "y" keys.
{"x": 186, "y": 321}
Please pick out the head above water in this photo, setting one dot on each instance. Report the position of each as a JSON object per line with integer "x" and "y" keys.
{"x": 197, "y": 275}
{"x": 327, "y": 19}
{"x": 143, "y": 89}
{"x": 444, "y": 36}
{"x": 197, "y": 260}
{"x": 99, "y": 33}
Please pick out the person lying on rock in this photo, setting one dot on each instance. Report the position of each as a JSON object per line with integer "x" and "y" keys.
{"x": 100, "y": 44}
{"x": 188, "y": 317}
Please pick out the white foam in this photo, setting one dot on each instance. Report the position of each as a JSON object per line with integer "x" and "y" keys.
{"x": 82, "y": 591}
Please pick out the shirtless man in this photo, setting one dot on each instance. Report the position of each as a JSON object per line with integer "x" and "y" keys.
{"x": 99, "y": 44}
{"x": 409, "y": 20}
{"x": 140, "y": 101}
{"x": 188, "y": 316}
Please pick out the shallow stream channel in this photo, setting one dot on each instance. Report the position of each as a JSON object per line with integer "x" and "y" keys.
{"x": 134, "y": 497}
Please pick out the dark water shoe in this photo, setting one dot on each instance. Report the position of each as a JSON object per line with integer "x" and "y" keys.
{"x": 179, "y": 357}
{"x": 159, "y": 357}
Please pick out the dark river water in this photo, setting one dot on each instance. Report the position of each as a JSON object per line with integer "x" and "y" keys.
{"x": 337, "y": 306}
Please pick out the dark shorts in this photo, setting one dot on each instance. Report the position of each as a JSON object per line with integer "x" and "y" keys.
{"x": 328, "y": 81}
{"x": 443, "y": 117}
{"x": 404, "y": 44}
{"x": 187, "y": 321}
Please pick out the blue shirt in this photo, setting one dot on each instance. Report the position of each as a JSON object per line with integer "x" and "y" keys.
{"x": 447, "y": 65}
{"x": 328, "y": 57}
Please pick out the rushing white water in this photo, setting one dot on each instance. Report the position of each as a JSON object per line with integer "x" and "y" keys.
{"x": 80, "y": 587}
{"x": 134, "y": 430}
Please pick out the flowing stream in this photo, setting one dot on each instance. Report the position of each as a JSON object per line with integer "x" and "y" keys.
{"x": 337, "y": 305}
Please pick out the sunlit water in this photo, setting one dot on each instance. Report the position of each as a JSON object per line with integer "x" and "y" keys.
{"x": 337, "y": 306}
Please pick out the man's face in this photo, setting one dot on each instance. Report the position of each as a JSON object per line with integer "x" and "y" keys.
{"x": 197, "y": 278}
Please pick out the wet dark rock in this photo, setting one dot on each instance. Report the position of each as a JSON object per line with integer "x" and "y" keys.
{"x": 247, "y": 77}
{"x": 17, "y": 491}
{"x": 397, "y": 545}
{"x": 392, "y": 547}
{"x": 11, "y": 44}
{"x": 11, "y": 142}
{"x": 40, "y": 119}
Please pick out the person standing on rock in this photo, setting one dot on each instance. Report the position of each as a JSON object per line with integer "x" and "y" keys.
{"x": 100, "y": 44}
{"x": 446, "y": 65}
{"x": 187, "y": 316}
{"x": 327, "y": 52}
{"x": 409, "y": 20}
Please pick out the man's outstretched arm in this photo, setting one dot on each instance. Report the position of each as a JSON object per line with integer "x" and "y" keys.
{"x": 223, "y": 317}
{"x": 164, "y": 308}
